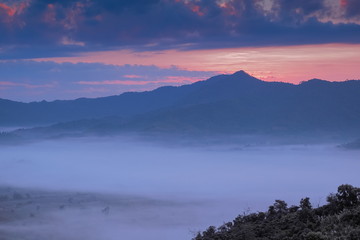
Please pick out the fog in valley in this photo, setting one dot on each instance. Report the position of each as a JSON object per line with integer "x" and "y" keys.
{"x": 114, "y": 188}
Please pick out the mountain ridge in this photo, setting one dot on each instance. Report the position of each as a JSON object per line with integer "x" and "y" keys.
{"x": 70, "y": 110}
{"x": 240, "y": 73}
{"x": 226, "y": 104}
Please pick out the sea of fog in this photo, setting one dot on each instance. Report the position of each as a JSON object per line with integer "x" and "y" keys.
{"x": 193, "y": 187}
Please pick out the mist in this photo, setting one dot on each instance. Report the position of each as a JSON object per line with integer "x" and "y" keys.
{"x": 154, "y": 191}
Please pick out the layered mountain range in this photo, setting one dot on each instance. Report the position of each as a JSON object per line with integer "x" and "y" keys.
{"x": 225, "y": 104}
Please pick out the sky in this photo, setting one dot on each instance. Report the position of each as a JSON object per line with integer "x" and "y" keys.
{"x": 66, "y": 49}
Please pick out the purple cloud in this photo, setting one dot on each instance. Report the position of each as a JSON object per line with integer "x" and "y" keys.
{"x": 45, "y": 28}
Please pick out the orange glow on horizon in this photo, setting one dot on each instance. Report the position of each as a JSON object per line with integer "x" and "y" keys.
{"x": 333, "y": 62}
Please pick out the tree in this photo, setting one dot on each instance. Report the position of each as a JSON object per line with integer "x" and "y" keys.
{"x": 348, "y": 196}
{"x": 280, "y": 206}
{"x": 305, "y": 204}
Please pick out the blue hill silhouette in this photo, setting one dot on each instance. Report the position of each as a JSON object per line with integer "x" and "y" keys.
{"x": 237, "y": 103}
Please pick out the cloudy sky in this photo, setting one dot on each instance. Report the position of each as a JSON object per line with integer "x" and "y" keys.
{"x": 65, "y": 49}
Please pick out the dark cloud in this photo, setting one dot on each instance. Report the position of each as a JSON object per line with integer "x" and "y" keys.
{"x": 41, "y": 28}
{"x": 116, "y": 7}
{"x": 300, "y": 7}
{"x": 352, "y": 8}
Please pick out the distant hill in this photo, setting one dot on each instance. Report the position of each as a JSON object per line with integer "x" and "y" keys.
{"x": 237, "y": 103}
{"x": 127, "y": 104}
{"x": 240, "y": 104}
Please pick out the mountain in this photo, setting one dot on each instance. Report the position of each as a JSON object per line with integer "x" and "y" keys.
{"x": 237, "y": 103}
{"x": 127, "y": 104}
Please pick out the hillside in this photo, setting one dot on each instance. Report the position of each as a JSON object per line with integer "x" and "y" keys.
{"x": 338, "y": 219}
{"x": 237, "y": 103}
{"x": 124, "y": 105}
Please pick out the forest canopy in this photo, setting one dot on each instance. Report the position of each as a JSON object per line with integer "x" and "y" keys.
{"x": 339, "y": 218}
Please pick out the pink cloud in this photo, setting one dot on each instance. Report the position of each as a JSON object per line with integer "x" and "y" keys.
{"x": 228, "y": 8}
{"x": 169, "y": 79}
{"x": 334, "y": 62}
{"x": 133, "y": 76}
{"x": 68, "y": 20}
{"x": 50, "y": 14}
{"x": 8, "y": 10}
{"x": 196, "y": 9}
{"x": 9, "y": 13}
{"x": 69, "y": 41}
{"x": 344, "y": 3}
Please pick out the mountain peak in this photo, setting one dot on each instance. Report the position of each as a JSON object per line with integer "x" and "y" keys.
{"x": 314, "y": 81}
{"x": 242, "y": 75}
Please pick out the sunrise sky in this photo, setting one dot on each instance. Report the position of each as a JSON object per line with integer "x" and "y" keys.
{"x": 66, "y": 49}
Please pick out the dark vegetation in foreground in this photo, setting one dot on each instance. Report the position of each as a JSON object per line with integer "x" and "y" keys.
{"x": 338, "y": 219}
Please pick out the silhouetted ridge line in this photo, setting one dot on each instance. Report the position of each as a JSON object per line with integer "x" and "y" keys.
{"x": 224, "y": 104}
